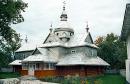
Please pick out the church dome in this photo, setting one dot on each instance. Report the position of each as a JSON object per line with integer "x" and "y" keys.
{"x": 64, "y": 31}
{"x": 64, "y": 24}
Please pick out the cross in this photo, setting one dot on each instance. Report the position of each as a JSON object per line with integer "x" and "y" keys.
{"x": 64, "y": 5}
{"x": 64, "y": 2}
{"x": 87, "y": 24}
{"x": 87, "y": 28}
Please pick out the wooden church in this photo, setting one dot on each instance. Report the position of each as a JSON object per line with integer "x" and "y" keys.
{"x": 64, "y": 52}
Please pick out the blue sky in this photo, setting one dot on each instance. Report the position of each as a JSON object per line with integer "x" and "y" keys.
{"x": 103, "y": 16}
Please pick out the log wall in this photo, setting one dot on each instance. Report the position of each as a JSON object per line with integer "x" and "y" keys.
{"x": 24, "y": 72}
{"x": 45, "y": 73}
{"x": 70, "y": 70}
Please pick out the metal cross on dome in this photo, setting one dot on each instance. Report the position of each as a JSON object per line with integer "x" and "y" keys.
{"x": 64, "y": 3}
{"x": 87, "y": 24}
{"x": 87, "y": 27}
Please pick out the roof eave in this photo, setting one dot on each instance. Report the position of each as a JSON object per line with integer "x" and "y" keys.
{"x": 81, "y": 65}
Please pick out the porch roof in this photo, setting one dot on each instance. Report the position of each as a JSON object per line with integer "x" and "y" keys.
{"x": 16, "y": 62}
{"x": 39, "y": 58}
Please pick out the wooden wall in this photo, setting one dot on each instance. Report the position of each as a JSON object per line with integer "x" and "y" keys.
{"x": 45, "y": 73}
{"x": 24, "y": 72}
{"x": 68, "y": 70}
{"x": 80, "y": 70}
{"x": 17, "y": 68}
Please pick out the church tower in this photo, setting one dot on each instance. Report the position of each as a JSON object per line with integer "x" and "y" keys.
{"x": 64, "y": 31}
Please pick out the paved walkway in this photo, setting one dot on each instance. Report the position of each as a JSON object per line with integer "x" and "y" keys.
{"x": 17, "y": 81}
{"x": 35, "y": 82}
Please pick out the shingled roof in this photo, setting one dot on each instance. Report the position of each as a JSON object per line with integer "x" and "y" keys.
{"x": 81, "y": 59}
{"x": 78, "y": 39}
{"x": 126, "y": 23}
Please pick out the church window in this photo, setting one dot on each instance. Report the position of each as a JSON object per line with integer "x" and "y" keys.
{"x": 24, "y": 56}
{"x": 49, "y": 66}
{"x": 24, "y": 66}
{"x": 37, "y": 66}
{"x": 50, "y": 41}
{"x": 71, "y": 34}
{"x": 57, "y": 34}
{"x": 52, "y": 66}
{"x": 92, "y": 53}
{"x": 73, "y": 51}
{"x": 46, "y": 66}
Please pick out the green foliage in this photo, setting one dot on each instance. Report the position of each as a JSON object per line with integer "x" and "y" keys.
{"x": 113, "y": 50}
{"x": 10, "y": 13}
{"x": 5, "y": 58}
{"x": 4, "y": 75}
{"x": 103, "y": 79}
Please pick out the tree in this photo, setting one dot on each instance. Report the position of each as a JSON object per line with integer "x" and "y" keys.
{"x": 10, "y": 13}
{"x": 112, "y": 50}
{"x": 99, "y": 40}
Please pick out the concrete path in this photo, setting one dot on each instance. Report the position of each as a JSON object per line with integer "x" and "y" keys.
{"x": 9, "y": 81}
{"x": 35, "y": 82}
{"x": 17, "y": 81}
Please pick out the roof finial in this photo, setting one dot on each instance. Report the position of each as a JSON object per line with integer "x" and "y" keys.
{"x": 64, "y": 3}
{"x": 26, "y": 39}
{"x": 63, "y": 15}
{"x": 51, "y": 25}
{"x": 87, "y": 27}
{"x": 51, "y": 28}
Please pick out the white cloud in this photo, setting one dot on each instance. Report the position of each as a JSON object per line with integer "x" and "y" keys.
{"x": 104, "y": 16}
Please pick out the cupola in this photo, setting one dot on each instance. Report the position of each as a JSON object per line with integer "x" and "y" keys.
{"x": 64, "y": 30}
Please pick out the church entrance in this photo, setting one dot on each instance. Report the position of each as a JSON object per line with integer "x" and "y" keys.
{"x": 31, "y": 69}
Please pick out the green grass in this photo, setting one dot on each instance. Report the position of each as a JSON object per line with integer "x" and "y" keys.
{"x": 104, "y": 79}
{"x": 4, "y": 75}
{"x": 111, "y": 79}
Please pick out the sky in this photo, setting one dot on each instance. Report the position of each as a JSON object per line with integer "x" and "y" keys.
{"x": 103, "y": 16}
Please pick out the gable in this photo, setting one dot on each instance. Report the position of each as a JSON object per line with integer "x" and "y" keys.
{"x": 36, "y": 51}
{"x": 89, "y": 39}
{"x": 46, "y": 40}
{"x": 51, "y": 38}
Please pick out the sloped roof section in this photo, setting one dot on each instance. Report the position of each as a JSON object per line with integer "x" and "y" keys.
{"x": 16, "y": 62}
{"x": 28, "y": 47}
{"x": 77, "y": 40}
{"x": 51, "y": 38}
{"x": 44, "y": 57}
{"x": 126, "y": 23}
{"x": 81, "y": 59}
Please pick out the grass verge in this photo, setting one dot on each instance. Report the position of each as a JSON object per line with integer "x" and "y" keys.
{"x": 103, "y": 79}
{"x": 4, "y": 75}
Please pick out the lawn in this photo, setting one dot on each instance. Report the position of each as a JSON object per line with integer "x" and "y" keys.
{"x": 4, "y": 75}
{"x": 104, "y": 79}
{"x": 111, "y": 79}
